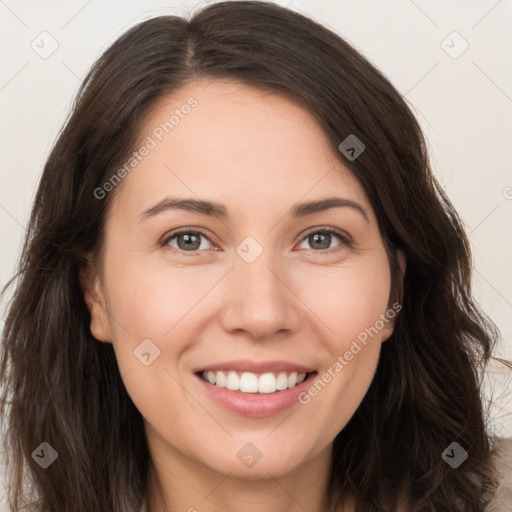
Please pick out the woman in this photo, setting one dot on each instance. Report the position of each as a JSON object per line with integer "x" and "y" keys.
{"x": 178, "y": 341}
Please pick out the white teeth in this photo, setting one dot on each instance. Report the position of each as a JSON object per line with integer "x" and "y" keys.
{"x": 292, "y": 379}
{"x": 282, "y": 381}
{"x": 267, "y": 383}
{"x": 232, "y": 382}
{"x": 220, "y": 379}
{"x": 250, "y": 382}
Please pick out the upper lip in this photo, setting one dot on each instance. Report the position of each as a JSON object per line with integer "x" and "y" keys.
{"x": 256, "y": 366}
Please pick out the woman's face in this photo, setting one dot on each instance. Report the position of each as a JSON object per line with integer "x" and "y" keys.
{"x": 256, "y": 276}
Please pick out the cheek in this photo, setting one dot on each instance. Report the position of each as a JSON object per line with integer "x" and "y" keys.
{"x": 337, "y": 400}
{"x": 348, "y": 300}
{"x": 156, "y": 302}
{"x": 150, "y": 299}
{"x": 351, "y": 301}
{"x": 151, "y": 303}
{"x": 343, "y": 381}
{"x": 163, "y": 305}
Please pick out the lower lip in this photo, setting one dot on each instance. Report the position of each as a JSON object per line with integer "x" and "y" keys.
{"x": 256, "y": 405}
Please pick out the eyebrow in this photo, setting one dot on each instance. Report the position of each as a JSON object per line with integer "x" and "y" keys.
{"x": 219, "y": 211}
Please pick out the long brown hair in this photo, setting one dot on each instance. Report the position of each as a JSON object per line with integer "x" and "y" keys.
{"x": 63, "y": 387}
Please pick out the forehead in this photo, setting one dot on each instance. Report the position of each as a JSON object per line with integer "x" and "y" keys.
{"x": 245, "y": 145}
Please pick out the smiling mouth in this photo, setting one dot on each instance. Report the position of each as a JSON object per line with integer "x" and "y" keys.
{"x": 248, "y": 382}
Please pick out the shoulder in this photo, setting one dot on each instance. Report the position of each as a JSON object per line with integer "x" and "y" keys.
{"x": 502, "y": 457}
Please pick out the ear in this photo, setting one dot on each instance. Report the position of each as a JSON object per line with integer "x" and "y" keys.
{"x": 394, "y": 309}
{"x": 96, "y": 303}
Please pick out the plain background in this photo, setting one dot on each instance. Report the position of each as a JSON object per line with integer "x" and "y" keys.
{"x": 462, "y": 99}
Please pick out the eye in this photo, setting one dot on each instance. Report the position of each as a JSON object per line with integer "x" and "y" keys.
{"x": 321, "y": 239}
{"x": 187, "y": 241}
{"x": 191, "y": 241}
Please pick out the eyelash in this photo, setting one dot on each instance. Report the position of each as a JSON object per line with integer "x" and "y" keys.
{"x": 345, "y": 239}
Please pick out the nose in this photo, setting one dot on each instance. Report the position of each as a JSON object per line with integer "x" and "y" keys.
{"x": 259, "y": 299}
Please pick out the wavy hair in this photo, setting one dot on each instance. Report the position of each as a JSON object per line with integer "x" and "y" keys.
{"x": 63, "y": 387}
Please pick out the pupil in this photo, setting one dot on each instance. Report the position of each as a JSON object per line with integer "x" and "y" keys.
{"x": 322, "y": 237}
{"x": 189, "y": 241}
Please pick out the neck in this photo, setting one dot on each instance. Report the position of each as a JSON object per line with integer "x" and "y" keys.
{"x": 179, "y": 484}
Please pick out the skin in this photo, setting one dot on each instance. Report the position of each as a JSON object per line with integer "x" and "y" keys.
{"x": 244, "y": 148}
